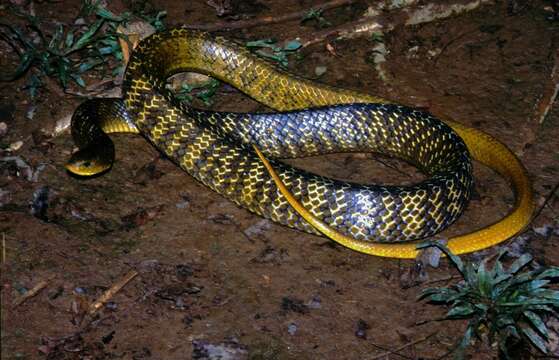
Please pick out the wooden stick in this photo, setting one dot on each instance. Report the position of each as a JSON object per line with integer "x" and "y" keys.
{"x": 395, "y": 352}
{"x": 34, "y": 291}
{"x": 411, "y": 14}
{"x": 107, "y": 295}
{"x": 244, "y": 24}
{"x": 549, "y": 94}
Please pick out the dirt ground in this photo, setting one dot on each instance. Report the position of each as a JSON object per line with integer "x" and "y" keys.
{"x": 215, "y": 280}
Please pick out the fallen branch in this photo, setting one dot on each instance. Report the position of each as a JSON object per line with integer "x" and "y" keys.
{"x": 34, "y": 291}
{"x": 549, "y": 94}
{"x": 395, "y": 351}
{"x": 244, "y": 24}
{"x": 107, "y": 295}
{"x": 383, "y": 21}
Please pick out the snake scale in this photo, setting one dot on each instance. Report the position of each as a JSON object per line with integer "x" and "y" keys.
{"x": 217, "y": 147}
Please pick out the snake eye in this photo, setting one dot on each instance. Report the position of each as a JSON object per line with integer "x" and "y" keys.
{"x": 87, "y": 163}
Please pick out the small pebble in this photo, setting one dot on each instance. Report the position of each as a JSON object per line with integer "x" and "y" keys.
{"x": 544, "y": 230}
{"x": 320, "y": 70}
{"x": 62, "y": 124}
{"x": 434, "y": 52}
{"x": 15, "y": 146}
{"x": 256, "y": 229}
{"x": 315, "y": 303}
{"x": 111, "y": 305}
{"x": 362, "y": 328}
{"x": 3, "y": 128}
{"x": 182, "y": 205}
{"x": 79, "y": 291}
{"x": 30, "y": 113}
{"x": 292, "y": 329}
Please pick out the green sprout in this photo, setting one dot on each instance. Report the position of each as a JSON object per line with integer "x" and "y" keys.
{"x": 275, "y": 53}
{"x": 316, "y": 14}
{"x": 506, "y": 305}
{"x": 204, "y": 91}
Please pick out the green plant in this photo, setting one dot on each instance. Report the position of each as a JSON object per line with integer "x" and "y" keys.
{"x": 316, "y": 14}
{"x": 71, "y": 50}
{"x": 505, "y": 305}
{"x": 275, "y": 53}
{"x": 204, "y": 91}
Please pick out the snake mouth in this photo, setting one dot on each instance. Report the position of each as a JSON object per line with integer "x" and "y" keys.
{"x": 84, "y": 171}
{"x": 88, "y": 163}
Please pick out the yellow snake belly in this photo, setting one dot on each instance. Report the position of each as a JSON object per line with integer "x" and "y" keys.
{"x": 215, "y": 147}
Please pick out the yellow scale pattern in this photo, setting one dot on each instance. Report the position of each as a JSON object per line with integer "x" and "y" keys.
{"x": 216, "y": 149}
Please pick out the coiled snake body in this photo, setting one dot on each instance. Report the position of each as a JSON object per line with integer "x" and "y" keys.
{"x": 216, "y": 147}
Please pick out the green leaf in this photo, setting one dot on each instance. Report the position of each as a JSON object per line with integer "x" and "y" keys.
{"x": 62, "y": 74}
{"x": 455, "y": 259}
{"x": 537, "y": 322}
{"x": 157, "y": 22}
{"x": 552, "y": 272}
{"x": 445, "y": 292}
{"x": 377, "y": 36}
{"x": 520, "y": 263}
{"x": 268, "y": 43}
{"x": 54, "y": 43}
{"x": 535, "y": 284}
{"x": 470, "y": 274}
{"x": 483, "y": 280}
{"x": 542, "y": 308}
{"x": 106, "y": 50}
{"x": 292, "y": 45}
{"x": 500, "y": 278}
{"x": 86, "y": 37}
{"x": 514, "y": 282}
{"x": 548, "y": 294}
{"x": 483, "y": 307}
{"x": 535, "y": 339}
{"x": 88, "y": 66}
{"x": 466, "y": 340}
{"x": 78, "y": 79}
{"x": 312, "y": 14}
{"x": 503, "y": 321}
{"x": 69, "y": 39}
{"x": 106, "y": 14}
{"x": 33, "y": 83}
{"x": 527, "y": 302}
{"x": 460, "y": 311}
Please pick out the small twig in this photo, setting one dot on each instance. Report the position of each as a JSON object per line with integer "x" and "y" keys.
{"x": 34, "y": 291}
{"x": 549, "y": 94}
{"x": 446, "y": 278}
{"x": 547, "y": 356}
{"x": 107, "y": 295}
{"x": 395, "y": 352}
{"x": 345, "y": 31}
{"x": 243, "y": 24}
{"x": 390, "y": 166}
{"x": 3, "y": 248}
{"x": 450, "y": 42}
{"x": 423, "y": 322}
{"x": 547, "y": 199}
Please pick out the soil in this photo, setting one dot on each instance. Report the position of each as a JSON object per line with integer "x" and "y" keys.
{"x": 216, "y": 280}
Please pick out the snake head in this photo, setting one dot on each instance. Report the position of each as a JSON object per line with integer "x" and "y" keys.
{"x": 93, "y": 160}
